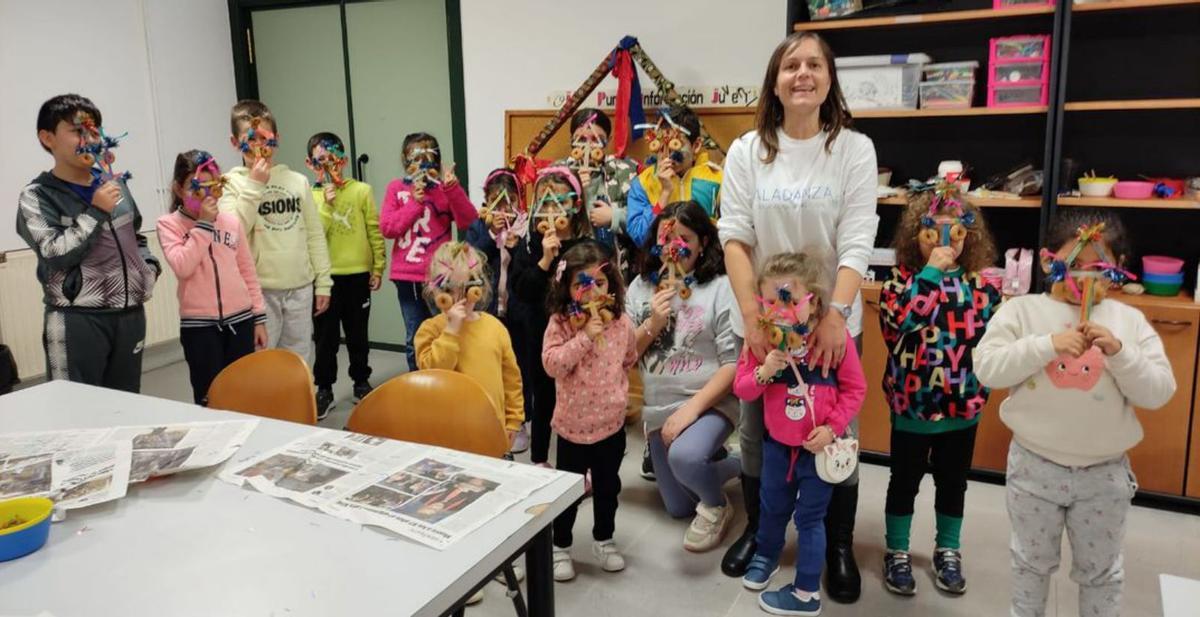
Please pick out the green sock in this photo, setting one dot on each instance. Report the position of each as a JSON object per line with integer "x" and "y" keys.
{"x": 897, "y": 531}
{"x": 949, "y": 529}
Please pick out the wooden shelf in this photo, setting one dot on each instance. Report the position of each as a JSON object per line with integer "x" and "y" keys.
{"x": 1119, "y": 5}
{"x": 933, "y": 113}
{"x": 923, "y": 18}
{"x": 1024, "y": 202}
{"x": 1183, "y": 300}
{"x": 1148, "y": 204}
{"x": 1133, "y": 104}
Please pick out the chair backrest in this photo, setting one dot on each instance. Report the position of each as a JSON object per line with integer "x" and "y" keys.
{"x": 435, "y": 407}
{"x": 272, "y": 383}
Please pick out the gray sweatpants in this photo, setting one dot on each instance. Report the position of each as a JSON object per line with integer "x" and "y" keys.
{"x": 686, "y": 472}
{"x": 1092, "y": 503}
{"x": 290, "y": 319}
{"x": 751, "y": 430}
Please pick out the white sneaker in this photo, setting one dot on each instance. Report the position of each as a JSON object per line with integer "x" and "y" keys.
{"x": 518, "y": 571}
{"x": 708, "y": 528}
{"x": 476, "y": 598}
{"x": 564, "y": 568}
{"x": 610, "y": 558}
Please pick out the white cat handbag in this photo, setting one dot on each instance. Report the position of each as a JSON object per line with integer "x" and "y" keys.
{"x": 836, "y": 461}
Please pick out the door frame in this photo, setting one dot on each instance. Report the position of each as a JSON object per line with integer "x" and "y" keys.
{"x": 245, "y": 74}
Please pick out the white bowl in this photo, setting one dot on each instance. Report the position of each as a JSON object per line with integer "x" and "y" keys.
{"x": 1097, "y": 188}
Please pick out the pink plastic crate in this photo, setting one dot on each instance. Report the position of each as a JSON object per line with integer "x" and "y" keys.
{"x": 1015, "y": 95}
{"x": 1024, "y": 47}
{"x": 1012, "y": 4}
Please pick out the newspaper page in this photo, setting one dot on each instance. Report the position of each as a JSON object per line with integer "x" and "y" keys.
{"x": 431, "y": 495}
{"x": 170, "y": 448}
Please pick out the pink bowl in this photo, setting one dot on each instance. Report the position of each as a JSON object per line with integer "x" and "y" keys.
{"x": 1159, "y": 264}
{"x": 1128, "y": 189}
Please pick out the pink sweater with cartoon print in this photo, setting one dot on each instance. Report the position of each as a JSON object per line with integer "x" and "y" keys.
{"x": 591, "y": 378}
{"x": 420, "y": 227}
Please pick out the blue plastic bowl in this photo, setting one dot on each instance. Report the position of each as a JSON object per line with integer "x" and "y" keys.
{"x": 29, "y": 526}
{"x": 1166, "y": 279}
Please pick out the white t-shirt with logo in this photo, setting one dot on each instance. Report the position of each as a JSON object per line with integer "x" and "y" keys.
{"x": 807, "y": 200}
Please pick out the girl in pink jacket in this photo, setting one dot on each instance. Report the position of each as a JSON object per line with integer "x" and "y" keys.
{"x": 417, "y": 212}
{"x": 221, "y": 314}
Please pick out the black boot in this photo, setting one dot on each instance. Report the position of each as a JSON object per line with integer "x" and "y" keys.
{"x": 738, "y": 557}
{"x": 842, "y": 583}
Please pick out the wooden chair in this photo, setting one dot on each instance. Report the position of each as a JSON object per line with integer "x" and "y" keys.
{"x": 434, "y": 407}
{"x": 272, "y": 383}
{"x": 439, "y": 408}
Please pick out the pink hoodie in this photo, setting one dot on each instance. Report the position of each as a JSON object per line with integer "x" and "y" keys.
{"x": 217, "y": 282}
{"x": 419, "y": 228}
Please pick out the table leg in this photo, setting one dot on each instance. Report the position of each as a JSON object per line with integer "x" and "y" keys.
{"x": 539, "y": 566}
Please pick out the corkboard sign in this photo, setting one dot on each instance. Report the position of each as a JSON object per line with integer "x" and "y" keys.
{"x": 725, "y": 124}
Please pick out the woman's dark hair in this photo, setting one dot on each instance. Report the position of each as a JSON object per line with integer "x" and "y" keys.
{"x": 690, "y": 214}
{"x": 577, "y": 258}
{"x": 185, "y": 166}
{"x": 1065, "y": 227}
{"x": 601, "y": 120}
{"x": 979, "y": 249}
{"x": 63, "y": 108}
{"x": 834, "y": 114}
{"x": 413, "y": 138}
{"x": 581, "y": 225}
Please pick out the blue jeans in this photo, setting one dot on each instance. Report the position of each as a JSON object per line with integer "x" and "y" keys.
{"x": 807, "y": 496}
{"x": 416, "y": 311}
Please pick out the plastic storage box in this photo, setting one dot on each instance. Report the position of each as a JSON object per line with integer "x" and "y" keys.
{"x": 1022, "y": 47}
{"x": 1035, "y": 71}
{"x": 947, "y": 94}
{"x": 1017, "y": 96}
{"x": 881, "y": 82}
{"x": 951, "y": 71}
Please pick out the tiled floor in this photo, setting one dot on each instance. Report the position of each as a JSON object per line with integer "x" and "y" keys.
{"x": 664, "y": 580}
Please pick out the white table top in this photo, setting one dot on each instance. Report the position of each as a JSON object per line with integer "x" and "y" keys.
{"x": 190, "y": 544}
{"x": 1180, "y": 596}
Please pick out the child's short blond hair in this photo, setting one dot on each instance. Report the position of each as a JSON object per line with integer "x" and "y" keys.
{"x": 455, "y": 265}
{"x": 806, "y": 268}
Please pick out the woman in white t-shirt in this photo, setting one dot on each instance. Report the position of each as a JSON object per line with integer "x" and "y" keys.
{"x": 802, "y": 181}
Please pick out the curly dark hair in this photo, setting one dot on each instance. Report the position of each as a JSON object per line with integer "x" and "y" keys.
{"x": 579, "y": 257}
{"x": 1065, "y": 225}
{"x": 979, "y": 250}
{"x": 691, "y": 214}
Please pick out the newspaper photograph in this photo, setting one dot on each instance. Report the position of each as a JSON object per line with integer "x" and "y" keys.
{"x": 431, "y": 495}
{"x": 171, "y": 448}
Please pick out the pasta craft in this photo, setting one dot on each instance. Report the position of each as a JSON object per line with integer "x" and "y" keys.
{"x": 96, "y": 148}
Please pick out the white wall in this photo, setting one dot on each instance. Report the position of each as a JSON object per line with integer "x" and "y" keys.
{"x": 516, "y": 52}
{"x": 160, "y": 69}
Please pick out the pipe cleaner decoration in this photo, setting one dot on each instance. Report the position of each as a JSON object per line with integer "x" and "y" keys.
{"x": 96, "y": 148}
{"x": 514, "y": 223}
{"x": 588, "y": 301}
{"x": 459, "y": 272}
{"x": 666, "y": 137}
{"x": 259, "y": 141}
{"x": 945, "y": 198}
{"x": 1083, "y": 284}
{"x": 199, "y": 190}
{"x": 588, "y": 154}
{"x": 672, "y": 250}
{"x": 564, "y": 203}
{"x": 424, "y": 166}
{"x": 329, "y": 164}
{"x": 785, "y": 321}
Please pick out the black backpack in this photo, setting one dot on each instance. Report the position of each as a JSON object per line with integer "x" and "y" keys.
{"x": 8, "y": 370}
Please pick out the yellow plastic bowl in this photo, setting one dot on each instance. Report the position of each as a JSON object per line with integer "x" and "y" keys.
{"x": 31, "y": 516}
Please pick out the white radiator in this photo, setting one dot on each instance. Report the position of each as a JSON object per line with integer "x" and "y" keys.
{"x": 21, "y": 308}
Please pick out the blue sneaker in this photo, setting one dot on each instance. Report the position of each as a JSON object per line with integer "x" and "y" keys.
{"x": 759, "y": 573}
{"x": 898, "y": 574}
{"x": 947, "y": 570}
{"x": 785, "y": 602}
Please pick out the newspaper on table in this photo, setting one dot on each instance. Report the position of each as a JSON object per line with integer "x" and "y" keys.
{"x": 432, "y": 495}
{"x": 78, "y": 468}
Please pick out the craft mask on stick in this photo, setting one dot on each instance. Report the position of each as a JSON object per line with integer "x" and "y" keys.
{"x": 673, "y": 250}
{"x": 1083, "y": 284}
{"x": 553, "y": 210}
{"x": 198, "y": 190}
{"x": 424, "y": 165}
{"x": 666, "y": 138}
{"x": 786, "y": 324}
{"x": 458, "y": 277}
{"x": 588, "y": 301}
{"x": 328, "y": 162}
{"x": 946, "y": 222}
{"x": 96, "y": 148}
{"x": 259, "y": 142}
{"x": 588, "y": 154}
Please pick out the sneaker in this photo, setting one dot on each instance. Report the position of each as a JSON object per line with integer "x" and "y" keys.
{"x": 475, "y": 598}
{"x": 362, "y": 389}
{"x": 708, "y": 528}
{"x": 564, "y": 568}
{"x": 518, "y": 571}
{"x": 610, "y": 558}
{"x": 759, "y": 573}
{"x": 324, "y": 401}
{"x": 521, "y": 441}
{"x": 786, "y": 602}
{"x": 947, "y": 570}
{"x": 647, "y": 465}
{"x": 898, "y": 574}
